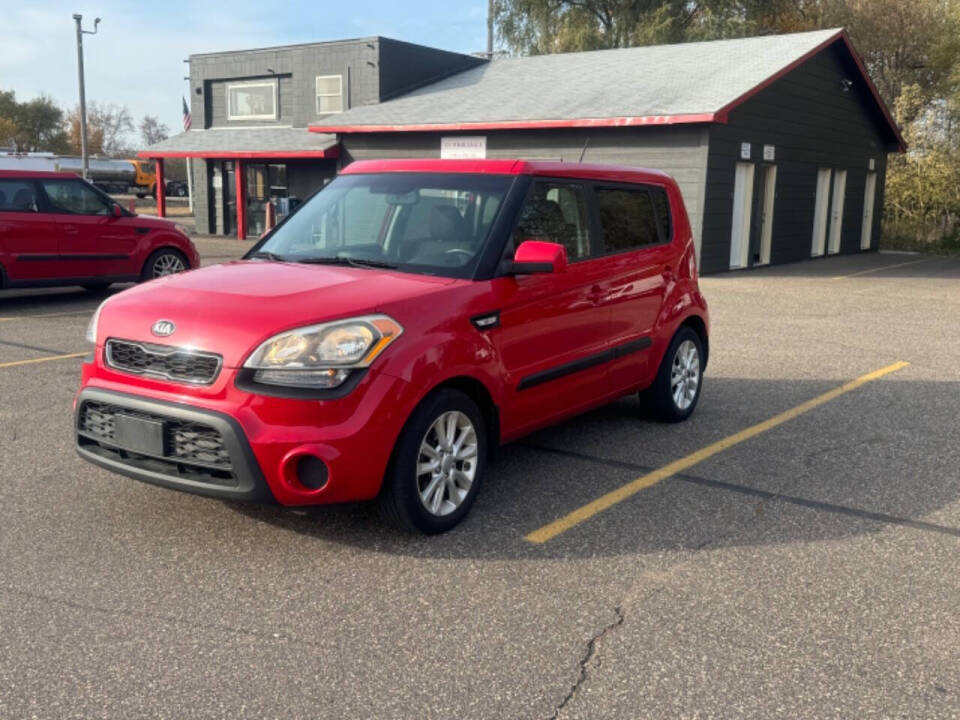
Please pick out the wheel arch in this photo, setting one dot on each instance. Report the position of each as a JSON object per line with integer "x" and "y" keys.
{"x": 480, "y": 394}
{"x": 697, "y": 324}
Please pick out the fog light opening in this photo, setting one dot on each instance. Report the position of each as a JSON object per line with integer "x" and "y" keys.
{"x": 312, "y": 472}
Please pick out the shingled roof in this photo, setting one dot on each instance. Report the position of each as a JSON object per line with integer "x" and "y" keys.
{"x": 661, "y": 84}
{"x": 245, "y": 142}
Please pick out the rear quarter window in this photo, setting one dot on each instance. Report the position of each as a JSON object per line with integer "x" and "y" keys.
{"x": 17, "y": 196}
{"x": 661, "y": 204}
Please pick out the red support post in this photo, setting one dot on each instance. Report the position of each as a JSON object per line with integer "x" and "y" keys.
{"x": 241, "y": 201}
{"x": 160, "y": 187}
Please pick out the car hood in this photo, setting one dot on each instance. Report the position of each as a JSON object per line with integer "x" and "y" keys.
{"x": 230, "y": 309}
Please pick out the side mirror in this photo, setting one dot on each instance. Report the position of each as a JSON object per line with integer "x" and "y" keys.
{"x": 117, "y": 211}
{"x": 536, "y": 256}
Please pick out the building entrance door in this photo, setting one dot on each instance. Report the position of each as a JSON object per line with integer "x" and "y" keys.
{"x": 761, "y": 239}
{"x": 869, "y": 198}
{"x": 836, "y": 210}
{"x": 742, "y": 216}
{"x": 229, "y": 197}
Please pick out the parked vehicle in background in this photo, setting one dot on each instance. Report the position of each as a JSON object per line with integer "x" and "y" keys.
{"x": 395, "y": 329}
{"x": 57, "y": 229}
{"x": 176, "y": 188}
{"x": 117, "y": 177}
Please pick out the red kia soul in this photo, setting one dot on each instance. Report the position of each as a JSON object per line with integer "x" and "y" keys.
{"x": 57, "y": 229}
{"x": 394, "y": 330}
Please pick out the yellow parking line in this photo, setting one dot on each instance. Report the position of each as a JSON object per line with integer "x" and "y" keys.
{"x": 561, "y": 525}
{"x": 50, "y": 358}
{"x": 879, "y": 269}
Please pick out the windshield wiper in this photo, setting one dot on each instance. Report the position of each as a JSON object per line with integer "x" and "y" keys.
{"x": 267, "y": 255}
{"x": 340, "y": 260}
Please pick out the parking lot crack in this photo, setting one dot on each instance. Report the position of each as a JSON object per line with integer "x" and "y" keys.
{"x": 590, "y": 657}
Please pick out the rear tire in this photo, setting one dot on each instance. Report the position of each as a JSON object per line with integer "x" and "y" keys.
{"x": 674, "y": 394}
{"x": 163, "y": 262}
{"x": 438, "y": 465}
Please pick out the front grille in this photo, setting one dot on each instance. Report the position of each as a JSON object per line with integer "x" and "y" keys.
{"x": 191, "y": 450}
{"x": 170, "y": 363}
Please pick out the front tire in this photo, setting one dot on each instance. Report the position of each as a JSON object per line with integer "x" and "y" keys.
{"x": 676, "y": 390}
{"x": 163, "y": 262}
{"x": 438, "y": 465}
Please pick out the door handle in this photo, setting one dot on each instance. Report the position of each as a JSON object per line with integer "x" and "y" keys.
{"x": 596, "y": 295}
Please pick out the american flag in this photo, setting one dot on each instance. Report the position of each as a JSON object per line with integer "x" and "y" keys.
{"x": 187, "y": 119}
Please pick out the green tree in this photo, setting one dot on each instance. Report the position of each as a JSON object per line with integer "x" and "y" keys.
{"x": 38, "y": 123}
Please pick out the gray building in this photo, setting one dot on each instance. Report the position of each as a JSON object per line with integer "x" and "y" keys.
{"x": 779, "y": 143}
{"x": 250, "y": 112}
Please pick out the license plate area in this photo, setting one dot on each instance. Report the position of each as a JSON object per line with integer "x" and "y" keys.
{"x": 139, "y": 435}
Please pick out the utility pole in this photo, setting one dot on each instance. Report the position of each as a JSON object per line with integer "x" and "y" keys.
{"x": 83, "y": 97}
{"x": 490, "y": 9}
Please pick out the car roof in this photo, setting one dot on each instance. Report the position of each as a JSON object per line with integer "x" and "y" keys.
{"x": 586, "y": 171}
{"x": 35, "y": 174}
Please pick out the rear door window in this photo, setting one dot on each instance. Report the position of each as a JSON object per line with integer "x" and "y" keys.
{"x": 627, "y": 218}
{"x": 18, "y": 196}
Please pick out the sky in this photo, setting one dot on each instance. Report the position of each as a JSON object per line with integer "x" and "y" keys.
{"x": 136, "y": 57}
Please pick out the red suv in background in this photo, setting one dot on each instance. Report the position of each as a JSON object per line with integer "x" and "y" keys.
{"x": 393, "y": 330}
{"x": 57, "y": 229}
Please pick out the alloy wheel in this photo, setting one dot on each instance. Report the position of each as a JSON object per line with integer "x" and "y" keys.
{"x": 685, "y": 374}
{"x": 168, "y": 264}
{"x": 447, "y": 463}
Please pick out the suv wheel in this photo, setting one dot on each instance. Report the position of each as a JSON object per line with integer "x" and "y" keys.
{"x": 164, "y": 262}
{"x": 438, "y": 465}
{"x": 676, "y": 390}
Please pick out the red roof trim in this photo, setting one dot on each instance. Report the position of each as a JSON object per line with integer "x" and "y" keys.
{"x": 523, "y": 124}
{"x": 724, "y": 112}
{"x": 331, "y": 152}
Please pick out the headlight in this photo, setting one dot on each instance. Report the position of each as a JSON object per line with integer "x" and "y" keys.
{"x": 322, "y": 356}
{"x": 92, "y": 325}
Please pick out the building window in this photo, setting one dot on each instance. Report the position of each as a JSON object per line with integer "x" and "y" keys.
{"x": 252, "y": 100}
{"x": 329, "y": 94}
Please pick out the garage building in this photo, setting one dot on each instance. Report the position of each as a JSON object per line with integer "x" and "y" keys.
{"x": 779, "y": 143}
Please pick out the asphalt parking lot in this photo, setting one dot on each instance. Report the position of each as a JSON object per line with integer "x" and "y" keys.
{"x": 806, "y": 568}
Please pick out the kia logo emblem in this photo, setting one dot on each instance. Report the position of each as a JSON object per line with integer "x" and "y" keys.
{"x": 163, "y": 328}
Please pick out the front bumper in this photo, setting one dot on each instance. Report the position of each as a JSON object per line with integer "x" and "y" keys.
{"x": 211, "y": 457}
{"x": 223, "y": 441}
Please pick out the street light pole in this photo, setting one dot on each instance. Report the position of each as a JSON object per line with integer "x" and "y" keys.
{"x": 83, "y": 97}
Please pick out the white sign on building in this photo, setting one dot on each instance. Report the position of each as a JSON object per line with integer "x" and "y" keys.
{"x": 472, "y": 147}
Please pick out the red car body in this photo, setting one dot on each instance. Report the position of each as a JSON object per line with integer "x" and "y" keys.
{"x": 530, "y": 349}
{"x": 97, "y": 243}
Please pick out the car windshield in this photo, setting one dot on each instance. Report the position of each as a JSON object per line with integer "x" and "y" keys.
{"x": 430, "y": 223}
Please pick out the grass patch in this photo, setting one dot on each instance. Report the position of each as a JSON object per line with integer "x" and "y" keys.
{"x": 904, "y": 237}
